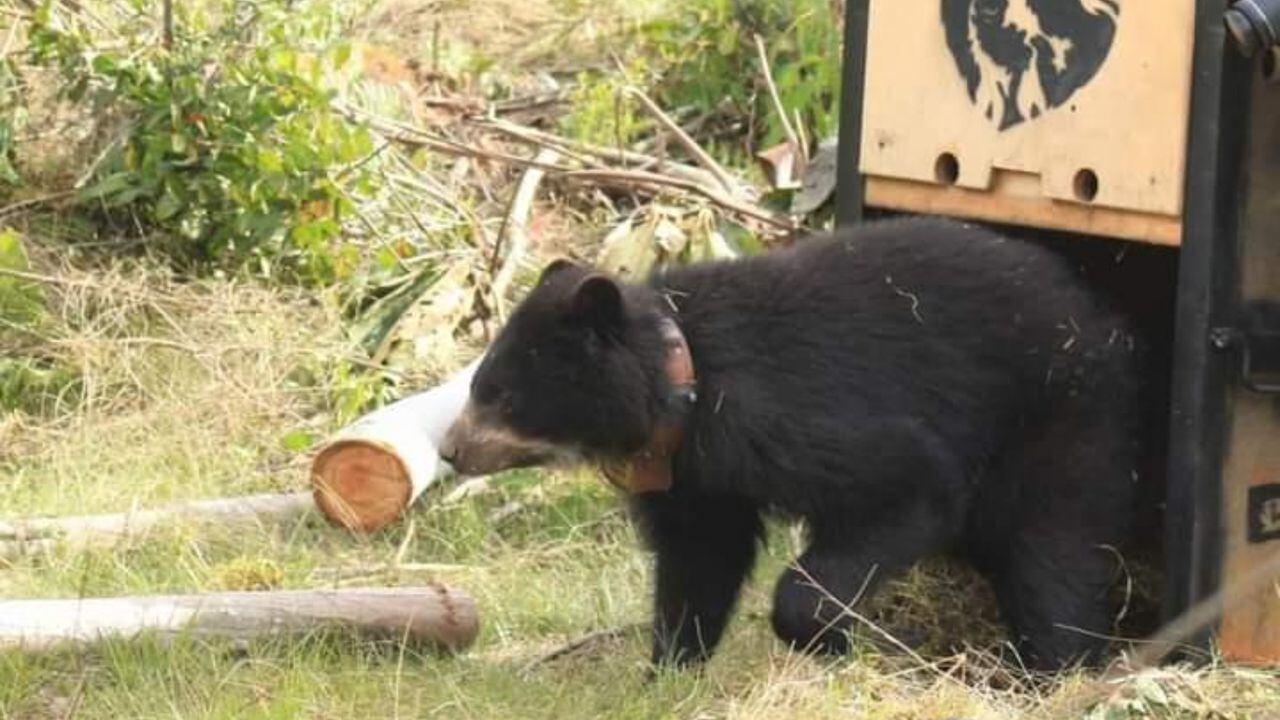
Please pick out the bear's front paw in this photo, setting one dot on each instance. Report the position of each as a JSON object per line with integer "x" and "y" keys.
{"x": 675, "y": 656}
{"x": 677, "y": 666}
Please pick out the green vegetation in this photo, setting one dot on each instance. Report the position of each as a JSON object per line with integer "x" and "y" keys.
{"x": 707, "y": 58}
{"x": 700, "y": 59}
{"x": 228, "y": 145}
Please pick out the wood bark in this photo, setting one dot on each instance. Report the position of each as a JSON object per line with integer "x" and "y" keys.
{"x": 25, "y": 536}
{"x": 431, "y": 615}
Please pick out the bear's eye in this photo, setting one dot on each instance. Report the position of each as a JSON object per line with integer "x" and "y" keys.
{"x": 491, "y": 394}
{"x": 505, "y": 402}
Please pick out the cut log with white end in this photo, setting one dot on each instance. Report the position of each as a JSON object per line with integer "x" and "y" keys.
{"x": 433, "y": 615}
{"x": 34, "y": 535}
{"x": 374, "y": 469}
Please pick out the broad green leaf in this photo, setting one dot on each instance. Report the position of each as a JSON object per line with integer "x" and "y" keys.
{"x": 112, "y": 184}
{"x": 298, "y": 440}
{"x": 381, "y": 319}
{"x": 21, "y": 300}
{"x": 168, "y": 206}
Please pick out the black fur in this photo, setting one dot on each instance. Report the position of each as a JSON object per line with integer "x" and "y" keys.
{"x": 908, "y": 388}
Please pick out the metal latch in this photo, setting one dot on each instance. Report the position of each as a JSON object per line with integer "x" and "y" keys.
{"x": 1259, "y": 355}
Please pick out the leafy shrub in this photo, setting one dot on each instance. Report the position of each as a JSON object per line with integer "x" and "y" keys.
{"x": 230, "y": 143}
{"x": 708, "y": 54}
{"x": 699, "y": 59}
{"x": 28, "y": 381}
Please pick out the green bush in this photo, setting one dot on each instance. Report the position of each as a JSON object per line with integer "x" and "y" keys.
{"x": 706, "y": 54}
{"x": 699, "y": 59}
{"x": 230, "y": 146}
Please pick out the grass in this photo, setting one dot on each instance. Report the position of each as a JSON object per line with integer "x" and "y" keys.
{"x": 197, "y": 388}
{"x": 189, "y": 388}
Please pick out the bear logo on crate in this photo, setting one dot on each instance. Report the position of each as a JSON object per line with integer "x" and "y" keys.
{"x": 1020, "y": 58}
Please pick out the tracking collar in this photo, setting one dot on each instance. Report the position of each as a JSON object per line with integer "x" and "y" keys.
{"x": 649, "y": 470}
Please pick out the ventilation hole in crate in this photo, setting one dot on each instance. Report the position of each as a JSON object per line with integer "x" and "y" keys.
{"x": 947, "y": 169}
{"x": 1086, "y": 185}
{"x": 1270, "y": 63}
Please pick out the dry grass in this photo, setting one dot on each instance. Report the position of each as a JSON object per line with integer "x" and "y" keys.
{"x": 558, "y": 37}
{"x": 185, "y": 375}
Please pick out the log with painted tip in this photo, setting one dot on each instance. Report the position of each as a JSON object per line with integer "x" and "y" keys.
{"x": 366, "y": 476}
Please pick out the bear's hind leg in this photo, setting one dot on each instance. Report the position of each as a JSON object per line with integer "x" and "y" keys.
{"x": 1068, "y": 499}
{"x": 912, "y": 505}
{"x": 1056, "y": 601}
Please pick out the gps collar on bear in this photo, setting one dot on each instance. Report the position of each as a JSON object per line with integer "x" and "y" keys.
{"x": 650, "y": 469}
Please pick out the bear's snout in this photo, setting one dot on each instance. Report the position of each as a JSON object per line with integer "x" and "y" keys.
{"x": 474, "y": 446}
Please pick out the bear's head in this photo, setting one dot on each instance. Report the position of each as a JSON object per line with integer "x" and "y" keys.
{"x": 576, "y": 374}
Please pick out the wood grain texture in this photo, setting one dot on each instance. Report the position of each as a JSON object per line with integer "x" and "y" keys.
{"x": 1005, "y": 206}
{"x": 433, "y": 615}
{"x": 1250, "y": 630}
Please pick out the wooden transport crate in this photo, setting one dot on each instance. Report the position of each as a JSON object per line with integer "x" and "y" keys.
{"x": 1132, "y": 120}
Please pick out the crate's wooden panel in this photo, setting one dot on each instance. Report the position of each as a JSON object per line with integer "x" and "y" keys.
{"x": 1005, "y": 203}
{"x": 1250, "y": 628}
{"x": 1041, "y": 89}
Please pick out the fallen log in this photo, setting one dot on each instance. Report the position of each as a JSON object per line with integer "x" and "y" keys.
{"x": 431, "y": 615}
{"x": 32, "y": 535}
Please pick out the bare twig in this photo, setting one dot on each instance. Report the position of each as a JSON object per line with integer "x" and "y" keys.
{"x": 35, "y": 202}
{"x": 804, "y": 136}
{"x": 585, "y": 642}
{"x": 410, "y": 135}
{"x": 38, "y": 278}
{"x": 846, "y": 610}
{"x": 530, "y": 102}
{"x": 167, "y": 28}
{"x": 1204, "y": 613}
{"x": 590, "y": 154}
{"x": 631, "y": 179}
{"x": 690, "y": 145}
{"x": 515, "y": 228}
{"x": 778, "y": 107}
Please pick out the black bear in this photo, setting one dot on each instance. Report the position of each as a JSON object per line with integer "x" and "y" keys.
{"x": 907, "y": 388}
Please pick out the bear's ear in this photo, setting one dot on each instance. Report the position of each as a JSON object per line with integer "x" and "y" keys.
{"x": 598, "y": 300}
{"x": 555, "y": 267}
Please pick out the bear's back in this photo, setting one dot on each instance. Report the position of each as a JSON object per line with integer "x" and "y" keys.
{"x": 947, "y": 323}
